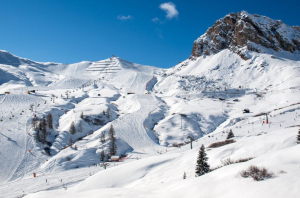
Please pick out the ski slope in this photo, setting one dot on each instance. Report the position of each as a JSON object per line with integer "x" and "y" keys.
{"x": 152, "y": 111}
{"x": 131, "y": 128}
{"x": 15, "y": 134}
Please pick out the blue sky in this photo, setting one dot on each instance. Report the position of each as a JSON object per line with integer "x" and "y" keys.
{"x": 153, "y": 32}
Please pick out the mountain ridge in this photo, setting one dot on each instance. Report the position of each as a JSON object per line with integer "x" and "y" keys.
{"x": 241, "y": 31}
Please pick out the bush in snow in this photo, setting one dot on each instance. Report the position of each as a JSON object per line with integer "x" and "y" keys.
{"x": 227, "y": 162}
{"x": 230, "y": 135}
{"x": 219, "y": 144}
{"x": 68, "y": 159}
{"x": 72, "y": 129}
{"x": 202, "y": 167}
{"x": 104, "y": 165}
{"x": 257, "y": 173}
{"x": 243, "y": 160}
{"x": 298, "y": 137}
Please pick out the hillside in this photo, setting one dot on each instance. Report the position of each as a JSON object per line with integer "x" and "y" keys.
{"x": 244, "y": 63}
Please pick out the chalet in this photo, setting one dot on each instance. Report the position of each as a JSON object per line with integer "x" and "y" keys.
{"x": 114, "y": 159}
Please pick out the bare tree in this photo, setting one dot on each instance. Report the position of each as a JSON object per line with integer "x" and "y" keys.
{"x": 104, "y": 165}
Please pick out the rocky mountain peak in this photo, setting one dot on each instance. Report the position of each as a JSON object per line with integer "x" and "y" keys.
{"x": 244, "y": 30}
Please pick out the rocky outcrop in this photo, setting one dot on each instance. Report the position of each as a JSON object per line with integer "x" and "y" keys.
{"x": 243, "y": 30}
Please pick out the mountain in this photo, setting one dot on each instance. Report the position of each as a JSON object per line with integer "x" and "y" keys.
{"x": 245, "y": 31}
{"x": 243, "y": 76}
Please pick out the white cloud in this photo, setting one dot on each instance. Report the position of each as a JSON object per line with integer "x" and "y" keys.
{"x": 155, "y": 19}
{"x": 159, "y": 32}
{"x": 170, "y": 9}
{"x": 123, "y": 18}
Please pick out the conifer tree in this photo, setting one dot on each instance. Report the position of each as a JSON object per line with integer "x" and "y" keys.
{"x": 35, "y": 123}
{"x": 202, "y": 167}
{"x": 102, "y": 137}
{"x": 113, "y": 144}
{"x": 70, "y": 142}
{"x": 108, "y": 113}
{"x": 298, "y": 137}
{"x": 50, "y": 121}
{"x": 37, "y": 136}
{"x": 80, "y": 127}
{"x": 43, "y": 128}
{"x": 102, "y": 155}
{"x": 230, "y": 135}
{"x": 184, "y": 175}
{"x": 72, "y": 129}
{"x": 81, "y": 115}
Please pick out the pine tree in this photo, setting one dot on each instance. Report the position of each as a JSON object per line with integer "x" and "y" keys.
{"x": 35, "y": 123}
{"x": 43, "y": 128}
{"x": 108, "y": 113}
{"x": 81, "y": 115}
{"x": 184, "y": 175}
{"x": 103, "y": 112}
{"x": 102, "y": 137}
{"x": 37, "y": 136}
{"x": 70, "y": 142}
{"x": 102, "y": 155}
{"x": 202, "y": 167}
{"x": 80, "y": 127}
{"x": 72, "y": 129}
{"x": 113, "y": 144}
{"x": 298, "y": 137}
{"x": 230, "y": 135}
{"x": 50, "y": 121}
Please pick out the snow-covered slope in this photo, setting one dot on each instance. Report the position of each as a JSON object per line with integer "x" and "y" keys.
{"x": 243, "y": 62}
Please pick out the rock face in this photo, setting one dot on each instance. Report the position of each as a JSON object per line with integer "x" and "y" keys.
{"x": 236, "y": 31}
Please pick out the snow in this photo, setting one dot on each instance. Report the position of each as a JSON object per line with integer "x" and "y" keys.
{"x": 151, "y": 111}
